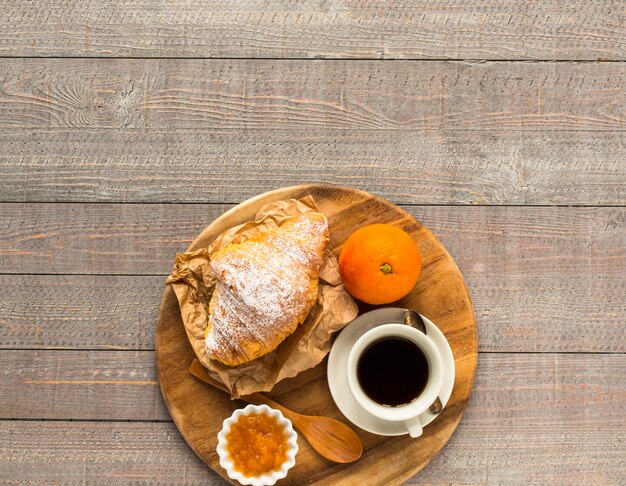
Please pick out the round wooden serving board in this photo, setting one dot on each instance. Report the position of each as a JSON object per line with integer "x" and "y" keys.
{"x": 440, "y": 294}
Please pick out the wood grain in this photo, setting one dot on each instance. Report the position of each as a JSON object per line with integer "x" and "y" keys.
{"x": 98, "y": 238}
{"x": 79, "y": 312}
{"x": 566, "y": 389}
{"x": 538, "y": 313}
{"x": 278, "y": 95}
{"x": 113, "y": 385}
{"x": 405, "y": 166}
{"x": 122, "y": 453}
{"x": 542, "y": 279}
{"x": 142, "y": 239}
{"x": 572, "y": 394}
{"x": 312, "y": 29}
{"x": 564, "y": 438}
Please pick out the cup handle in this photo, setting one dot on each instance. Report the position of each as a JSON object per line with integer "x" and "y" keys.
{"x": 414, "y": 426}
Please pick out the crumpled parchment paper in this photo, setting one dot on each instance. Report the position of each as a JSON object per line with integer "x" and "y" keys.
{"x": 193, "y": 283}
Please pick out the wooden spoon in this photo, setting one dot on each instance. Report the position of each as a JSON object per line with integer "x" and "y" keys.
{"x": 332, "y": 439}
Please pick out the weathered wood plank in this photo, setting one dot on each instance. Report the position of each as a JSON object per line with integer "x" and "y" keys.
{"x": 442, "y": 166}
{"x": 528, "y": 454}
{"x": 98, "y": 238}
{"x": 364, "y": 29}
{"x": 337, "y": 95}
{"x": 542, "y": 279}
{"x": 118, "y": 453}
{"x": 116, "y": 385}
{"x": 567, "y": 390}
{"x": 142, "y": 239}
{"x": 105, "y": 454}
{"x": 79, "y": 312}
{"x": 532, "y": 418}
{"x": 545, "y": 313}
{"x": 98, "y": 453}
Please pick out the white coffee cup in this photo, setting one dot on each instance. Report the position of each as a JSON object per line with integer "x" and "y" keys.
{"x": 408, "y": 413}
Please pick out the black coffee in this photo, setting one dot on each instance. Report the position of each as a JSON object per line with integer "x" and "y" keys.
{"x": 393, "y": 371}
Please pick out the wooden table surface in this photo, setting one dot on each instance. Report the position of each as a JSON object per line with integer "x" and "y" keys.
{"x": 127, "y": 126}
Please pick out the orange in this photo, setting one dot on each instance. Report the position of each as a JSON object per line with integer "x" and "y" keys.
{"x": 379, "y": 264}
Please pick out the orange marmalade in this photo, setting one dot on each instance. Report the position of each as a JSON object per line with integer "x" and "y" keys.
{"x": 257, "y": 445}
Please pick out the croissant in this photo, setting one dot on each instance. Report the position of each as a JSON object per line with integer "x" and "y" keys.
{"x": 266, "y": 286}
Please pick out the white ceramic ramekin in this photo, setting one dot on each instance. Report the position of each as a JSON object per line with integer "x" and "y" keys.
{"x": 269, "y": 478}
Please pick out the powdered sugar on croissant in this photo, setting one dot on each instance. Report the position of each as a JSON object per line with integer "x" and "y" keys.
{"x": 266, "y": 286}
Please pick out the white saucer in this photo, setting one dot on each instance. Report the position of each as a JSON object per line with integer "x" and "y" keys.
{"x": 338, "y": 380}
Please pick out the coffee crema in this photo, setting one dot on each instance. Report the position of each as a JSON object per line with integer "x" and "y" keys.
{"x": 393, "y": 371}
